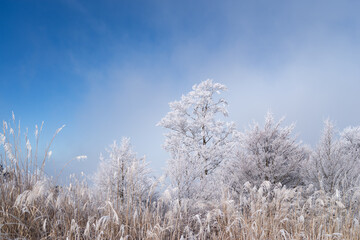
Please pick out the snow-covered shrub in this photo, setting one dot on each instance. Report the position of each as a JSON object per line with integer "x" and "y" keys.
{"x": 121, "y": 176}
{"x": 335, "y": 163}
{"x": 269, "y": 154}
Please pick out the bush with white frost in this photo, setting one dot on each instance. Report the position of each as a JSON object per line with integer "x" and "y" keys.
{"x": 122, "y": 176}
{"x": 269, "y": 154}
{"x": 335, "y": 162}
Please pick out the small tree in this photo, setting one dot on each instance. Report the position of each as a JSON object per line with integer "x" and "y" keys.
{"x": 121, "y": 176}
{"x": 198, "y": 141}
{"x": 350, "y": 145}
{"x": 268, "y": 154}
{"x": 334, "y": 164}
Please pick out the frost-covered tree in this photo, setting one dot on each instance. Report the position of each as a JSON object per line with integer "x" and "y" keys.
{"x": 334, "y": 164}
{"x": 122, "y": 176}
{"x": 199, "y": 139}
{"x": 350, "y": 146}
{"x": 269, "y": 154}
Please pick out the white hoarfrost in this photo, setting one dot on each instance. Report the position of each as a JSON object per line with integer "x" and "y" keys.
{"x": 199, "y": 141}
{"x": 269, "y": 154}
{"x": 122, "y": 176}
{"x": 334, "y": 164}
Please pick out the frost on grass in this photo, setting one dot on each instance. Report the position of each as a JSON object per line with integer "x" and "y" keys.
{"x": 224, "y": 183}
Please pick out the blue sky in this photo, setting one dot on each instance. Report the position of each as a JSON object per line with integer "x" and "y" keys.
{"x": 108, "y": 69}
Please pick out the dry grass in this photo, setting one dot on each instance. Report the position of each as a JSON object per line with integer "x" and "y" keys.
{"x": 32, "y": 206}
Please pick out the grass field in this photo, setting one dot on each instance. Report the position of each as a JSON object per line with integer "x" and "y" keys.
{"x": 33, "y": 206}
